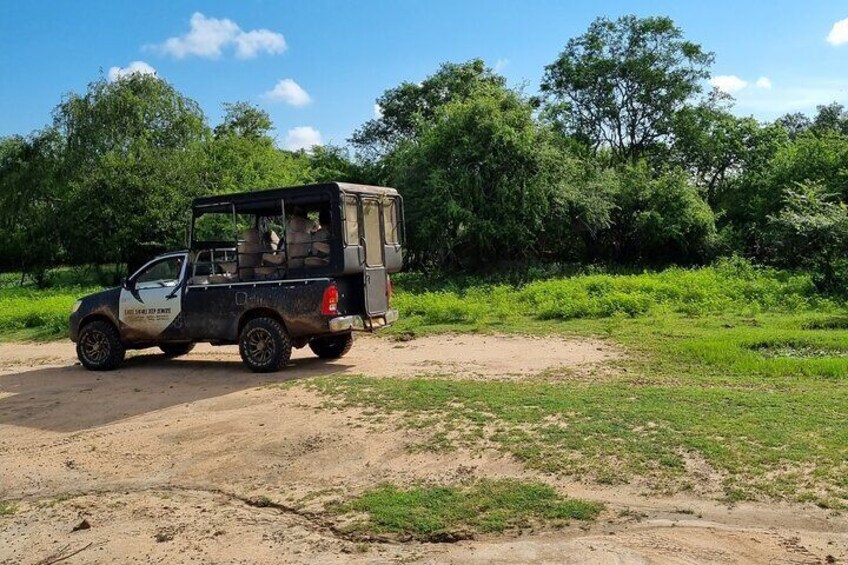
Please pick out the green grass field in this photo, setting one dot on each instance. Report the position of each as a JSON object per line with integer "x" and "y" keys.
{"x": 29, "y": 314}
{"x": 742, "y": 368}
{"x": 739, "y": 367}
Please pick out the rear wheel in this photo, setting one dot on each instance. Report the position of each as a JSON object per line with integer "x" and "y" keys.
{"x": 176, "y": 349}
{"x": 99, "y": 346}
{"x": 264, "y": 345}
{"x": 331, "y": 347}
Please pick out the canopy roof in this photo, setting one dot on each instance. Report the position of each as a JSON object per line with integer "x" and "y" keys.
{"x": 261, "y": 200}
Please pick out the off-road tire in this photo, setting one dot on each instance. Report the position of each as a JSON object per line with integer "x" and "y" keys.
{"x": 264, "y": 345}
{"x": 331, "y": 347}
{"x": 176, "y": 349}
{"x": 99, "y": 346}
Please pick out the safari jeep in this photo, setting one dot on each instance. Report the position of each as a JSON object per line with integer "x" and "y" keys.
{"x": 269, "y": 270}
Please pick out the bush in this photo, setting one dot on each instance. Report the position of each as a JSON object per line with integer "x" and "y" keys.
{"x": 811, "y": 232}
{"x": 660, "y": 220}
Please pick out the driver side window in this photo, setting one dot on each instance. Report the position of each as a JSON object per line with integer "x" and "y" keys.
{"x": 160, "y": 274}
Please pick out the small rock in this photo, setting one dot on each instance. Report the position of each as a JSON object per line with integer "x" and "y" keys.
{"x": 84, "y": 525}
{"x": 163, "y": 536}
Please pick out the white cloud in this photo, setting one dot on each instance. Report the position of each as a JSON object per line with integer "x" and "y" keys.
{"x": 208, "y": 37}
{"x": 501, "y": 64}
{"x": 248, "y": 44}
{"x": 728, "y": 83}
{"x": 838, "y": 33}
{"x": 764, "y": 82}
{"x": 378, "y": 111}
{"x": 136, "y": 67}
{"x": 290, "y": 92}
{"x": 302, "y": 137}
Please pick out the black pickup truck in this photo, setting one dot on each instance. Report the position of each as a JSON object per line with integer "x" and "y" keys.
{"x": 267, "y": 270}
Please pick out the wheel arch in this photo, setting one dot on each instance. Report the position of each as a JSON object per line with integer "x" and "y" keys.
{"x": 99, "y": 316}
{"x": 259, "y": 312}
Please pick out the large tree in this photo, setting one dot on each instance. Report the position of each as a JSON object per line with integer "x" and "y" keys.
{"x": 29, "y": 201}
{"x": 619, "y": 85}
{"x": 716, "y": 147}
{"x": 245, "y": 120}
{"x": 242, "y": 156}
{"x": 405, "y": 109}
{"x": 133, "y": 159}
{"x": 484, "y": 184}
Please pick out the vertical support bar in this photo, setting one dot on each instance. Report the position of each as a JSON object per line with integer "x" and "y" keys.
{"x": 235, "y": 234}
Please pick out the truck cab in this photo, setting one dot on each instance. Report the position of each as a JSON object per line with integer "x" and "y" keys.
{"x": 267, "y": 270}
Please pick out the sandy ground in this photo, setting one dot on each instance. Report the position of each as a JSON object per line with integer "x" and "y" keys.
{"x": 164, "y": 459}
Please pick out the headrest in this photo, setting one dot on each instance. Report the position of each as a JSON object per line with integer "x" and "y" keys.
{"x": 251, "y": 235}
{"x": 298, "y": 224}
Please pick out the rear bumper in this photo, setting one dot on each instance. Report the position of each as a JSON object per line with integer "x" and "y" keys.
{"x": 362, "y": 324}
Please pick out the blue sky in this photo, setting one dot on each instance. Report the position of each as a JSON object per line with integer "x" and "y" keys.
{"x": 317, "y": 66}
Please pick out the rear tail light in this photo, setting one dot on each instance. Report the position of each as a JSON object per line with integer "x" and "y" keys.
{"x": 330, "y": 301}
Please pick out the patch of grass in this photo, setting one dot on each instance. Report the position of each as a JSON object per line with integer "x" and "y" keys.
{"x": 740, "y": 366}
{"x": 261, "y": 501}
{"x": 762, "y": 443}
{"x": 31, "y": 314}
{"x": 430, "y": 512}
{"x": 730, "y": 285}
{"x": 829, "y": 323}
{"x": 7, "y": 508}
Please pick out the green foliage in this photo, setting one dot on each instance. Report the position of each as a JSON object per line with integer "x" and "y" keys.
{"x": 729, "y": 285}
{"x": 811, "y": 232}
{"x": 761, "y": 191}
{"x": 428, "y": 512}
{"x": 622, "y": 160}
{"x": 406, "y": 108}
{"x": 28, "y": 203}
{"x": 479, "y": 182}
{"x": 133, "y": 159}
{"x": 7, "y": 508}
{"x": 660, "y": 217}
{"x": 330, "y": 163}
{"x": 242, "y": 119}
{"x": 620, "y": 84}
{"x": 714, "y": 146}
{"x": 830, "y": 119}
{"x": 242, "y": 155}
{"x": 27, "y": 313}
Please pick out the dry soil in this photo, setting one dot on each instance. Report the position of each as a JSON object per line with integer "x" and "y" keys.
{"x": 164, "y": 462}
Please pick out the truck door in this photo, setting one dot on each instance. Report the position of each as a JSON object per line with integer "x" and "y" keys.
{"x": 376, "y": 278}
{"x": 151, "y": 300}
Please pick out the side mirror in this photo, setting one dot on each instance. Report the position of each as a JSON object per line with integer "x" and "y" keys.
{"x": 125, "y": 283}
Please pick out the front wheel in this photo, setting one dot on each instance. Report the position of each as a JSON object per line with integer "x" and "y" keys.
{"x": 99, "y": 346}
{"x": 331, "y": 347}
{"x": 264, "y": 345}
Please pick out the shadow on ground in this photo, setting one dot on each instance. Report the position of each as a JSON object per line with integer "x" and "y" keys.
{"x": 71, "y": 399}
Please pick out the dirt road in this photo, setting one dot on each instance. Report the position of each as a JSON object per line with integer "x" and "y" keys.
{"x": 164, "y": 460}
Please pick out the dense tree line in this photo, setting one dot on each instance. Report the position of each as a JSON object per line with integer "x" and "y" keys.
{"x": 623, "y": 156}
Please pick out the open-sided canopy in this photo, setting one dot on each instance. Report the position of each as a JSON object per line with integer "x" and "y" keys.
{"x": 268, "y": 201}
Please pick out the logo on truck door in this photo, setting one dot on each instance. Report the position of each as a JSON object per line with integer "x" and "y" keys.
{"x": 153, "y": 299}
